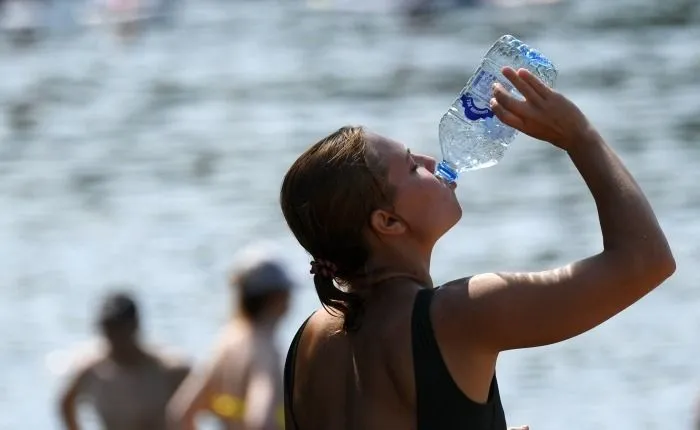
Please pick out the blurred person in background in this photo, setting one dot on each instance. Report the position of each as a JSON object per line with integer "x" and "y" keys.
{"x": 129, "y": 18}
{"x": 242, "y": 383}
{"x": 23, "y": 21}
{"x": 124, "y": 17}
{"x": 128, "y": 384}
{"x": 390, "y": 351}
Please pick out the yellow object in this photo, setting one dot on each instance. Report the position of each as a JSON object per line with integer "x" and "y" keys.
{"x": 279, "y": 414}
{"x": 228, "y": 406}
{"x": 233, "y": 408}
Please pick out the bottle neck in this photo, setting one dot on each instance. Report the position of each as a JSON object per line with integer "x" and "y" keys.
{"x": 446, "y": 172}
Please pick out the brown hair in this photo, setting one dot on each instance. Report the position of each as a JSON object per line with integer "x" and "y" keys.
{"x": 253, "y": 306}
{"x": 327, "y": 198}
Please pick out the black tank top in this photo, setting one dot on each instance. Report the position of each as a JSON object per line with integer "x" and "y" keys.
{"x": 441, "y": 405}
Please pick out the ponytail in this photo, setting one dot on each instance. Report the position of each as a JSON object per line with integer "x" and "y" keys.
{"x": 335, "y": 300}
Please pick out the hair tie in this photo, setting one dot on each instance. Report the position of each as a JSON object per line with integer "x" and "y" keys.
{"x": 323, "y": 267}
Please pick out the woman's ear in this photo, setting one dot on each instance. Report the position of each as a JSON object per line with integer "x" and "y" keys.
{"x": 387, "y": 223}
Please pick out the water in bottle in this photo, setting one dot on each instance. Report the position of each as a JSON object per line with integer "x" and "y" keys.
{"x": 471, "y": 136}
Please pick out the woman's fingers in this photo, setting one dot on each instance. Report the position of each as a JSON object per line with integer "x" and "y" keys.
{"x": 522, "y": 86}
{"x": 507, "y": 117}
{"x": 535, "y": 83}
{"x": 510, "y": 102}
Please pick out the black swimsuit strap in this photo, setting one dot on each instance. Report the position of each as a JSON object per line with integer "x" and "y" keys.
{"x": 289, "y": 366}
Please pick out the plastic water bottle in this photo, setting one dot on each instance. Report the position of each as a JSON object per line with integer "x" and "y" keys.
{"x": 471, "y": 136}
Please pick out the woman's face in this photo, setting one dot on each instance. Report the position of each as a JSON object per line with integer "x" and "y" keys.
{"x": 427, "y": 205}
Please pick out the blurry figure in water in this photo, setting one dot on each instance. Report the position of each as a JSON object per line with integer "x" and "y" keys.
{"x": 127, "y": 384}
{"x": 125, "y": 15}
{"x": 242, "y": 383}
{"x": 22, "y": 20}
{"x": 128, "y": 18}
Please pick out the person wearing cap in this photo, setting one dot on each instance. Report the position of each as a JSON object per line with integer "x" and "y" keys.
{"x": 127, "y": 383}
{"x": 241, "y": 384}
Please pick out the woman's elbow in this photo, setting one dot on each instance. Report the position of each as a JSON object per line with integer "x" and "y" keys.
{"x": 644, "y": 266}
{"x": 669, "y": 266}
{"x": 654, "y": 268}
{"x": 662, "y": 263}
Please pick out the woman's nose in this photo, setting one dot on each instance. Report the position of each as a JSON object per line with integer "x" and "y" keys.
{"x": 429, "y": 163}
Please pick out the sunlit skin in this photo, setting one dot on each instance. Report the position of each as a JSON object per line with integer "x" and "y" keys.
{"x": 364, "y": 379}
{"x": 124, "y": 365}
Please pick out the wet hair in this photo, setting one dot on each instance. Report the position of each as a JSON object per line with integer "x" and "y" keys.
{"x": 327, "y": 198}
{"x": 118, "y": 309}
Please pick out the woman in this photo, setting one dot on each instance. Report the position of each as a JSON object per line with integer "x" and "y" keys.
{"x": 392, "y": 352}
{"x": 242, "y": 383}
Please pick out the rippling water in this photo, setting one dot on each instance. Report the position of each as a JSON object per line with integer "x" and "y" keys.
{"x": 149, "y": 164}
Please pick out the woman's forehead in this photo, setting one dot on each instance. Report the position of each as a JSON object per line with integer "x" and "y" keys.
{"x": 384, "y": 147}
{"x": 391, "y": 156}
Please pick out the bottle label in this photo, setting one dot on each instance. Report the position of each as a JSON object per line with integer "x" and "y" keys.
{"x": 473, "y": 110}
{"x": 475, "y": 100}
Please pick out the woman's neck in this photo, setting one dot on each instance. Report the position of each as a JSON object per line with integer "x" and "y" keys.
{"x": 401, "y": 261}
{"x": 380, "y": 273}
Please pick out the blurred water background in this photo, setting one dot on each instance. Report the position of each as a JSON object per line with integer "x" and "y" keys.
{"x": 150, "y": 163}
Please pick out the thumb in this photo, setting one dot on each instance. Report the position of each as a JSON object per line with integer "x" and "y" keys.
{"x": 520, "y": 428}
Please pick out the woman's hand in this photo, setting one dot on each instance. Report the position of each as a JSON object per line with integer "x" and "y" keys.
{"x": 544, "y": 114}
